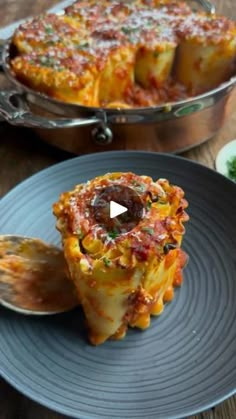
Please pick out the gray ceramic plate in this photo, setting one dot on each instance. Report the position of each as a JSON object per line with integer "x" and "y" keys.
{"x": 186, "y": 361}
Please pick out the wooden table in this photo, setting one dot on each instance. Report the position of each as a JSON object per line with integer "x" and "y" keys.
{"x": 22, "y": 153}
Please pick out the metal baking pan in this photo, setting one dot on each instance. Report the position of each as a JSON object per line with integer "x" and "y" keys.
{"x": 173, "y": 127}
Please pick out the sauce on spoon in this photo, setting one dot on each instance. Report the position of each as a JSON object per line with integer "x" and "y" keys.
{"x": 33, "y": 277}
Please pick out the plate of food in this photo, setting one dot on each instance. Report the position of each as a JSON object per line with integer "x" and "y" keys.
{"x": 153, "y": 334}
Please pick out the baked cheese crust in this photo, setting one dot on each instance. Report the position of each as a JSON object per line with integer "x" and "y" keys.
{"x": 141, "y": 53}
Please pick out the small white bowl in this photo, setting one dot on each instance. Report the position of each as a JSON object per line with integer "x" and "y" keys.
{"x": 225, "y": 154}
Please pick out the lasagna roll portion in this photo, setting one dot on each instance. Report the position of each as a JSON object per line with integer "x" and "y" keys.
{"x": 118, "y": 56}
{"x": 206, "y": 53}
{"x": 117, "y": 76}
{"x": 67, "y": 75}
{"x": 154, "y": 62}
{"x": 157, "y": 40}
{"x": 155, "y": 46}
{"x": 123, "y": 275}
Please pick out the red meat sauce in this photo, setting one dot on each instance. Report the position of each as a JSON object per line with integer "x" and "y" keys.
{"x": 146, "y": 238}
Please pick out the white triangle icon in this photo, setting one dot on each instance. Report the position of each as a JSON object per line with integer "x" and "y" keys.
{"x": 116, "y": 209}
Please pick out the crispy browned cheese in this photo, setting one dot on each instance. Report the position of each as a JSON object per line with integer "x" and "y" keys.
{"x": 139, "y": 53}
{"x": 55, "y": 72}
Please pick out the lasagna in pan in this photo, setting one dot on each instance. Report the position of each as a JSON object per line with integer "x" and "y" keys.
{"x": 123, "y": 272}
{"x": 116, "y": 54}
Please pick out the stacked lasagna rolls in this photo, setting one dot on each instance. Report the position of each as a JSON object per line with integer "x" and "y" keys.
{"x": 123, "y": 278}
{"x": 125, "y": 54}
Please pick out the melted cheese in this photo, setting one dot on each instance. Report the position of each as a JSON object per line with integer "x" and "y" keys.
{"x": 143, "y": 53}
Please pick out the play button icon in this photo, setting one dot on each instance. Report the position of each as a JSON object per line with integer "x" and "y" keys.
{"x": 116, "y": 209}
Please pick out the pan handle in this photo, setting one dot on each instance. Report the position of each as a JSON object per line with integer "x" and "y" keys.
{"x": 21, "y": 116}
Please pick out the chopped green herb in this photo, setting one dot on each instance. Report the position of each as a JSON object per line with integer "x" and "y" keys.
{"x": 50, "y": 62}
{"x": 79, "y": 233}
{"x": 140, "y": 187}
{"x": 128, "y": 31}
{"x": 125, "y": 30}
{"x": 231, "y": 166}
{"x": 106, "y": 261}
{"x": 47, "y": 61}
{"x": 169, "y": 246}
{"x": 59, "y": 69}
{"x": 43, "y": 59}
{"x": 50, "y": 43}
{"x": 82, "y": 46}
{"x": 113, "y": 234}
{"x": 132, "y": 40}
{"x": 149, "y": 205}
{"x": 49, "y": 30}
{"x": 148, "y": 230}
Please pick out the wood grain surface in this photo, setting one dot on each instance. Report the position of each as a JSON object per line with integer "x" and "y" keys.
{"x": 22, "y": 153}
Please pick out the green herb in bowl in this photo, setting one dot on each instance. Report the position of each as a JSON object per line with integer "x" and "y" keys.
{"x": 231, "y": 167}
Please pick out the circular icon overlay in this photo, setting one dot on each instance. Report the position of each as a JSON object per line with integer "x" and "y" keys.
{"x": 118, "y": 209}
